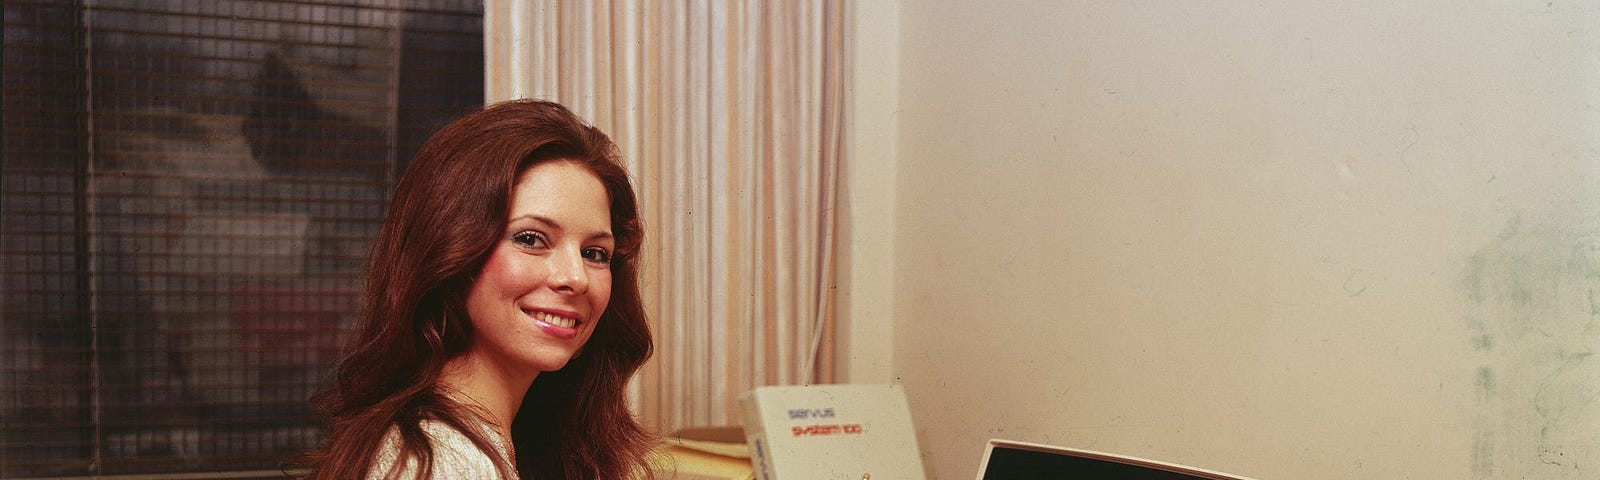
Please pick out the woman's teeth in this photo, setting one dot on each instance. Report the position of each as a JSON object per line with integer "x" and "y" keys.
{"x": 555, "y": 320}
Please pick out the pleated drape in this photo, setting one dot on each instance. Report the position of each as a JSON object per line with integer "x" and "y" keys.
{"x": 729, "y": 114}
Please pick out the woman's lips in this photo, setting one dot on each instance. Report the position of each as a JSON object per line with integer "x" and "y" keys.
{"x": 557, "y": 324}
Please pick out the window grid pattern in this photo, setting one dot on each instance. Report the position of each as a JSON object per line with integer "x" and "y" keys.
{"x": 188, "y": 191}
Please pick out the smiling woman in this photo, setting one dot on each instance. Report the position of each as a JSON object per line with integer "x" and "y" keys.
{"x": 502, "y": 317}
{"x": 536, "y": 300}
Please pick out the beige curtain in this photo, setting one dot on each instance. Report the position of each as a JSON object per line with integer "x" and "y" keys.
{"x": 729, "y": 114}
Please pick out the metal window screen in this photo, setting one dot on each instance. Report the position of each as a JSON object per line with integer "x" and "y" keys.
{"x": 187, "y": 193}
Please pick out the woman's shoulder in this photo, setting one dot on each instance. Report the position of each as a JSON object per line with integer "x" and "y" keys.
{"x": 454, "y": 455}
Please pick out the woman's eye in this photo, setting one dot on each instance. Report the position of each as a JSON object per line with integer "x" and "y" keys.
{"x": 597, "y": 255}
{"x": 529, "y": 239}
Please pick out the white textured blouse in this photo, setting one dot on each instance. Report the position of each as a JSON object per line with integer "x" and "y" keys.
{"x": 454, "y": 455}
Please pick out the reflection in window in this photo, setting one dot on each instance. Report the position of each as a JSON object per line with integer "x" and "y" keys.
{"x": 189, "y": 188}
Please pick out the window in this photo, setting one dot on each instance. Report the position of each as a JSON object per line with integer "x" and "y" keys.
{"x": 187, "y": 193}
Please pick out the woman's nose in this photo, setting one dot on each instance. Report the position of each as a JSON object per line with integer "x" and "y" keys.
{"x": 568, "y": 274}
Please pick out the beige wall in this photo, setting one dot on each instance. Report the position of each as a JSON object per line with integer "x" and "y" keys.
{"x": 866, "y": 284}
{"x": 1308, "y": 240}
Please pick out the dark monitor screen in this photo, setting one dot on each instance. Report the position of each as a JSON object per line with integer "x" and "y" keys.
{"x": 1021, "y": 461}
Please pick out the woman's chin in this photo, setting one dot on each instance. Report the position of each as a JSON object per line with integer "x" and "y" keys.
{"x": 551, "y": 363}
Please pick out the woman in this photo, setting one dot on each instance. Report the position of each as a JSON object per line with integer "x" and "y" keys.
{"x": 502, "y": 317}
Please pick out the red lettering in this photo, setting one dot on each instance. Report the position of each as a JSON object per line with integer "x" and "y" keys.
{"x": 826, "y": 429}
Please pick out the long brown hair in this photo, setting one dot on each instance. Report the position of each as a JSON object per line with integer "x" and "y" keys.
{"x": 448, "y": 212}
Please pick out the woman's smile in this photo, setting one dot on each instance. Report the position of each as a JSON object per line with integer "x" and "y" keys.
{"x": 561, "y": 325}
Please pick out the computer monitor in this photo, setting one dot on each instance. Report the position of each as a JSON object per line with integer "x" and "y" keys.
{"x": 1011, "y": 460}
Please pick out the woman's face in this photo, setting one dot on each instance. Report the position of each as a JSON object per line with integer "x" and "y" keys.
{"x": 549, "y": 278}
